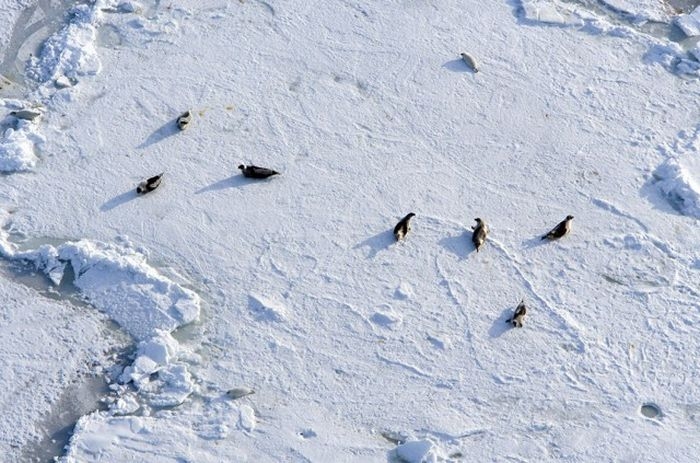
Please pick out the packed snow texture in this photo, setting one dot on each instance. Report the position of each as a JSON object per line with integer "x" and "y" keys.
{"x": 359, "y": 348}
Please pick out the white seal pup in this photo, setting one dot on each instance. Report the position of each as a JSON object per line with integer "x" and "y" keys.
{"x": 562, "y": 228}
{"x": 517, "y": 318}
{"x": 257, "y": 172}
{"x": 28, "y": 114}
{"x": 149, "y": 185}
{"x": 238, "y": 392}
{"x": 184, "y": 120}
{"x": 469, "y": 61}
{"x": 481, "y": 230}
{"x": 403, "y": 227}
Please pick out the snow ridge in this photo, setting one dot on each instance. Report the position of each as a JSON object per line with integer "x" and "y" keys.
{"x": 118, "y": 281}
{"x": 71, "y": 52}
{"x": 676, "y": 177}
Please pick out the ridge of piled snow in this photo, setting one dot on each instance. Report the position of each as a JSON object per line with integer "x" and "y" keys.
{"x": 678, "y": 177}
{"x": 70, "y": 52}
{"x": 118, "y": 281}
{"x": 679, "y": 186}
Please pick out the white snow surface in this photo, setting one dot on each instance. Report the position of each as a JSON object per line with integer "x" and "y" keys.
{"x": 360, "y": 349}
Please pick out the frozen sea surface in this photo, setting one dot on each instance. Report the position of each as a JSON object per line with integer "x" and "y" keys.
{"x": 358, "y": 348}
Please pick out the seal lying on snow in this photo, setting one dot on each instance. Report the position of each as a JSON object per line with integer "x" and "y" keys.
{"x": 469, "y": 61}
{"x": 257, "y": 172}
{"x": 184, "y": 120}
{"x": 149, "y": 185}
{"x": 481, "y": 230}
{"x": 403, "y": 227}
{"x": 28, "y": 114}
{"x": 517, "y": 318}
{"x": 560, "y": 230}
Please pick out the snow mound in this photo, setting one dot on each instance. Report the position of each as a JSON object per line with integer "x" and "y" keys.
{"x": 17, "y": 148}
{"x": 155, "y": 373}
{"x": 125, "y": 405}
{"x": 18, "y": 141}
{"x": 677, "y": 177}
{"x": 417, "y": 451}
{"x": 386, "y": 317}
{"x": 689, "y": 23}
{"x": 246, "y": 418}
{"x": 70, "y": 52}
{"x": 267, "y": 309}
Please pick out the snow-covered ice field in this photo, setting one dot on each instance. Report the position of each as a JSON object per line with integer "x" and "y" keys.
{"x": 127, "y": 321}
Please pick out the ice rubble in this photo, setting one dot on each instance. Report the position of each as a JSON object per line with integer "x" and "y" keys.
{"x": 118, "y": 281}
{"x": 19, "y": 139}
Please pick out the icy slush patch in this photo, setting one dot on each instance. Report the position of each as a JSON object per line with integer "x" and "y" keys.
{"x": 676, "y": 180}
